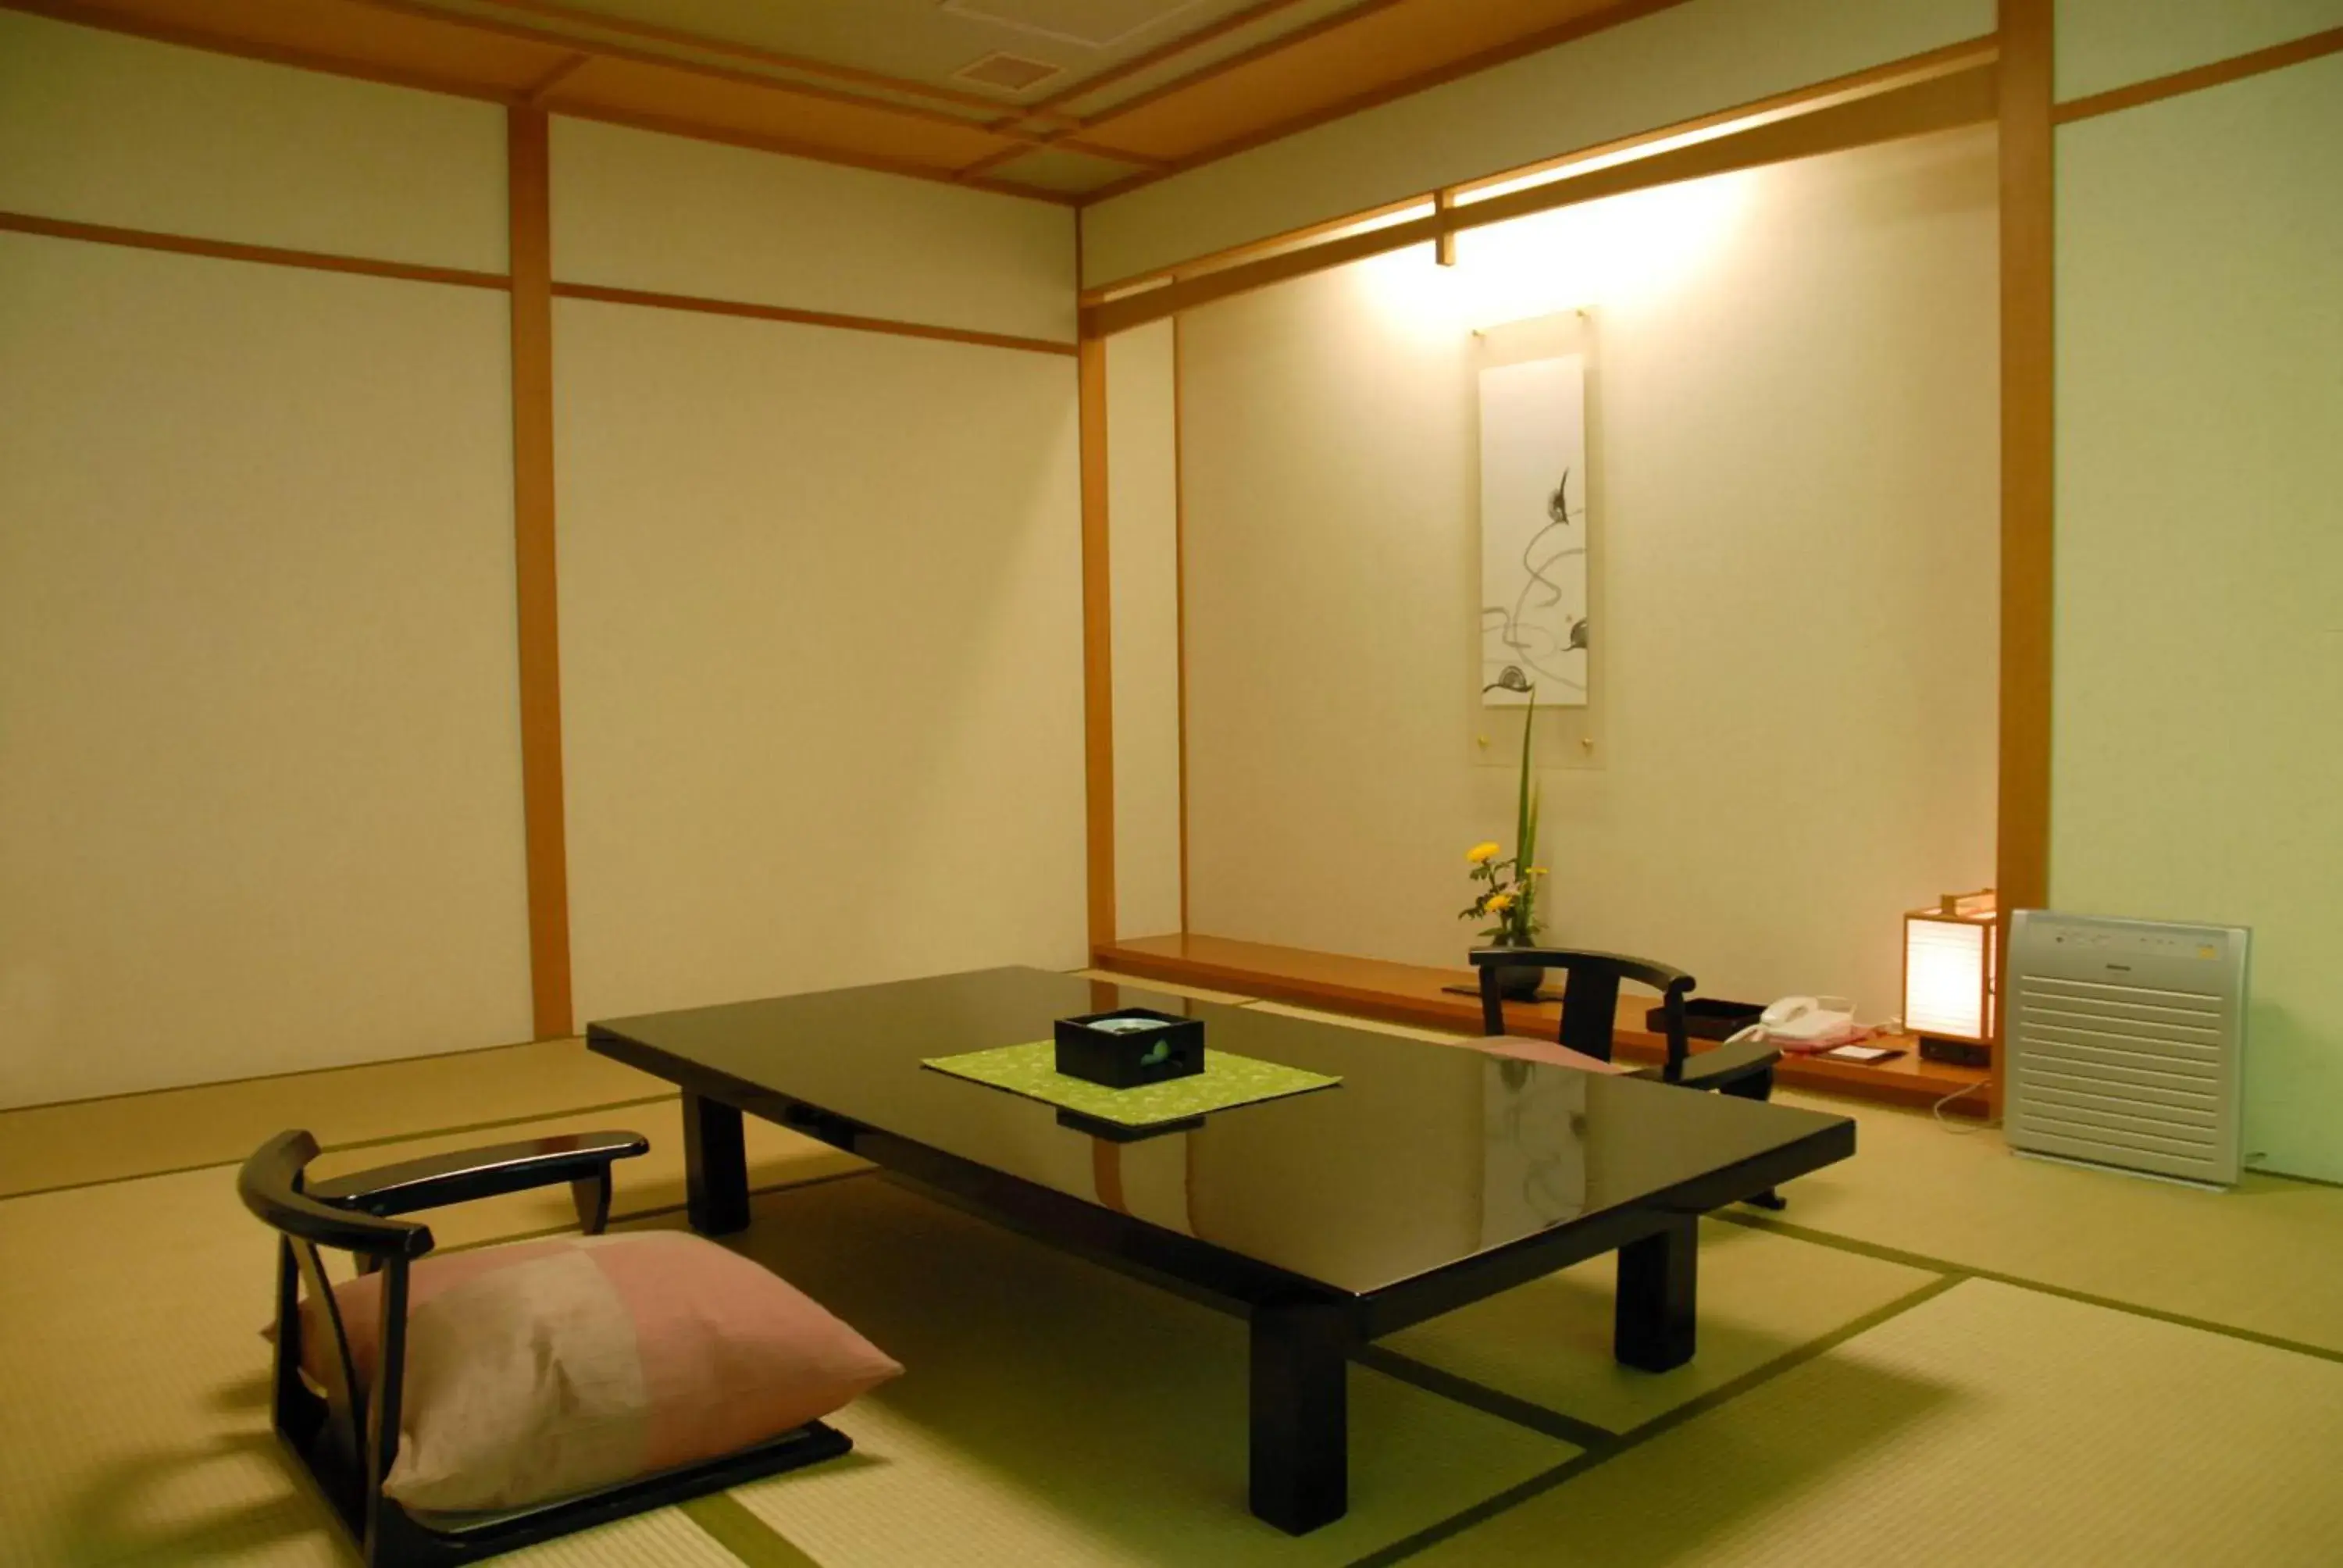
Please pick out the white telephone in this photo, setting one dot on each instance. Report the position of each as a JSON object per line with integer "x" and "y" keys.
{"x": 1808, "y": 1022}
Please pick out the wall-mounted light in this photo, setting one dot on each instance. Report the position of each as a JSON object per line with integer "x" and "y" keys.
{"x": 1948, "y": 977}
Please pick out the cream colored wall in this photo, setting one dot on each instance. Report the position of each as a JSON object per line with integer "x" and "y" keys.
{"x": 1679, "y": 63}
{"x": 100, "y": 127}
{"x": 259, "y": 777}
{"x": 2107, "y": 43}
{"x": 633, "y": 209}
{"x": 821, "y": 621}
{"x": 1143, "y": 569}
{"x": 2199, "y": 644}
{"x": 822, "y": 656}
{"x": 1795, "y": 445}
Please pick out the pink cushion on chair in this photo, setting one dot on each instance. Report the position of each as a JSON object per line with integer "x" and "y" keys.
{"x": 539, "y": 1369}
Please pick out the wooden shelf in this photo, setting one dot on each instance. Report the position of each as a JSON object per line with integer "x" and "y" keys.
{"x": 1416, "y": 994}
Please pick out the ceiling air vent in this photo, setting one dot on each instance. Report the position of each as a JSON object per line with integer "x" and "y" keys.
{"x": 2125, "y": 1040}
{"x": 1012, "y": 73}
{"x": 1092, "y": 23}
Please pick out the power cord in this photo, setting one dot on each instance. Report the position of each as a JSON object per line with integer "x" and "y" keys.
{"x": 1938, "y": 1110}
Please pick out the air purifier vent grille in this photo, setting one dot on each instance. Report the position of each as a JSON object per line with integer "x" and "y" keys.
{"x": 2123, "y": 1043}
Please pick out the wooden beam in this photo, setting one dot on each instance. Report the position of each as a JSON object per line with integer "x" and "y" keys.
{"x": 1098, "y": 651}
{"x": 229, "y": 250}
{"x": 544, "y": 833}
{"x": 2022, "y": 838}
{"x": 1935, "y": 104}
{"x": 2276, "y": 58}
{"x": 1180, "y": 594}
{"x": 643, "y": 297}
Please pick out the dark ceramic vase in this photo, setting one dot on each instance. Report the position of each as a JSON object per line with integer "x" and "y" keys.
{"x": 1519, "y": 982}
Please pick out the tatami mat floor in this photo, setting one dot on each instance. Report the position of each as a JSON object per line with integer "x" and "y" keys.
{"x": 1940, "y": 1354}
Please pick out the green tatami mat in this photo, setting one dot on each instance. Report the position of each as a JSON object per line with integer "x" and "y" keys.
{"x": 49, "y": 1146}
{"x": 1052, "y": 1413}
{"x": 1549, "y": 1342}
{"x": 1227, "y": 1081}
{"x": 1964, "y": 1198}
{"x": 1986, "y": 1425}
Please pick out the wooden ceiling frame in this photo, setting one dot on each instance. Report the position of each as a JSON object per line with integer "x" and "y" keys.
{"x": 545, "y": 91}
{"x": 650, "y": 32}
{"x": 1940, "y": 90}
{"x": 1001, "y": 125}
{"x": 1545, "y": 38}
{"x": 1169, "y": 49}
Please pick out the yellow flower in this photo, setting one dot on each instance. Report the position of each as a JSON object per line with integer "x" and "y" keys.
{"x": 1499, "y": 903}
{"x": 1481, "y": 854}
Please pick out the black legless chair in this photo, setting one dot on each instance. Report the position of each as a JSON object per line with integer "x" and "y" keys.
{"x": 1589, "y": 1019}
{"x": 345, "y": 1435}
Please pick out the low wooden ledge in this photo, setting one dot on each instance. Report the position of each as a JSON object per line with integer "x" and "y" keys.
{"x": 1416, "y": 994}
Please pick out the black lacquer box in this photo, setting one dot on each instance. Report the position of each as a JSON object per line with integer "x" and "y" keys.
{"x": 1130, "y": 1046}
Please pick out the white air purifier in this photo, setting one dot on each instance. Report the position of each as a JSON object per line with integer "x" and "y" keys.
{"x": 2123, "y": 1041}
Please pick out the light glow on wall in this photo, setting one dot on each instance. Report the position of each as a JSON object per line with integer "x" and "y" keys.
{"x": 1619, "y": 251}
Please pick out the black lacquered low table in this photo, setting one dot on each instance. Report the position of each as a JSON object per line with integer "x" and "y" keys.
{"x": 1434, "y": 1175}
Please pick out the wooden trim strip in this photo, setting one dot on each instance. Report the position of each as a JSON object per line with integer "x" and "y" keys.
{"x": 84, "y": 15}
{"x": 544, "y": 830}
{"x": 668, "y": 126}
{"x": 1168, "y": 50}
{"x": 2276, "y": 58}
{"x": 1547, "y": 38}
{"x": 230, "y": 250}
{"x": 2028, "y": 445}
{"x": 1938, "y": 102}
{"x": 1180, "y": 595}
{"x": 806, "y": 318}
{"x": 1097, "y": 656}
{"x": 1261, "y": 51}
{"x": 652, "y": 32}
{"x": 1906, "y": 72}
{"x": 535, "y": 95}
{"x": 565, "y": 41}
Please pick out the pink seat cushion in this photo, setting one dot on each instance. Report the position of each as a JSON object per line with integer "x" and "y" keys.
{"x": 539, "y": 1369}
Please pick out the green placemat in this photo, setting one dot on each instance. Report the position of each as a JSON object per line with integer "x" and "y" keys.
{"x": 1227, "y": 1080}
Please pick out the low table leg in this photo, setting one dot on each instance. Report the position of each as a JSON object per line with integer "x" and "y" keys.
{"x": 715, "y": 1166}
{"x": 1301, "y": 1425}
{"x": 1658, "y": 1290}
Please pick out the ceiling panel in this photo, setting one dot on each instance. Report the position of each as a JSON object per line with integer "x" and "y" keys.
{"x": 1165, "y": 83}
{"x": 1060, "y": 169}
{"x": 664, "y": 97}
{"x": 922, "y": 41}
{"x": 1331, "y": 68}
{"x": 370, "y": 40}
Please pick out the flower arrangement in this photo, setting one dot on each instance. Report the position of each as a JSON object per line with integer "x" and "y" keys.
{"x": 1507, "y": 898}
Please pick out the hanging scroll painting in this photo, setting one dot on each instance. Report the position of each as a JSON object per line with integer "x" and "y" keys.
{"x": 1533, "y": 527}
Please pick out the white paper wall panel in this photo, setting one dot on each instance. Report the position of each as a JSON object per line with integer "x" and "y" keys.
{"x": 635, "y": 209}
{"x": 99, "y": 128}
{"x": 2107, "y": 43}
{"x": 1793, "y": 432}
{"x": 259, "y": 770}
{"x": 1144, "y": 562}
{"x": 2199, "y": 650}
{"x": 822, "y": 656}
{"x": 1685, "y": 61}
